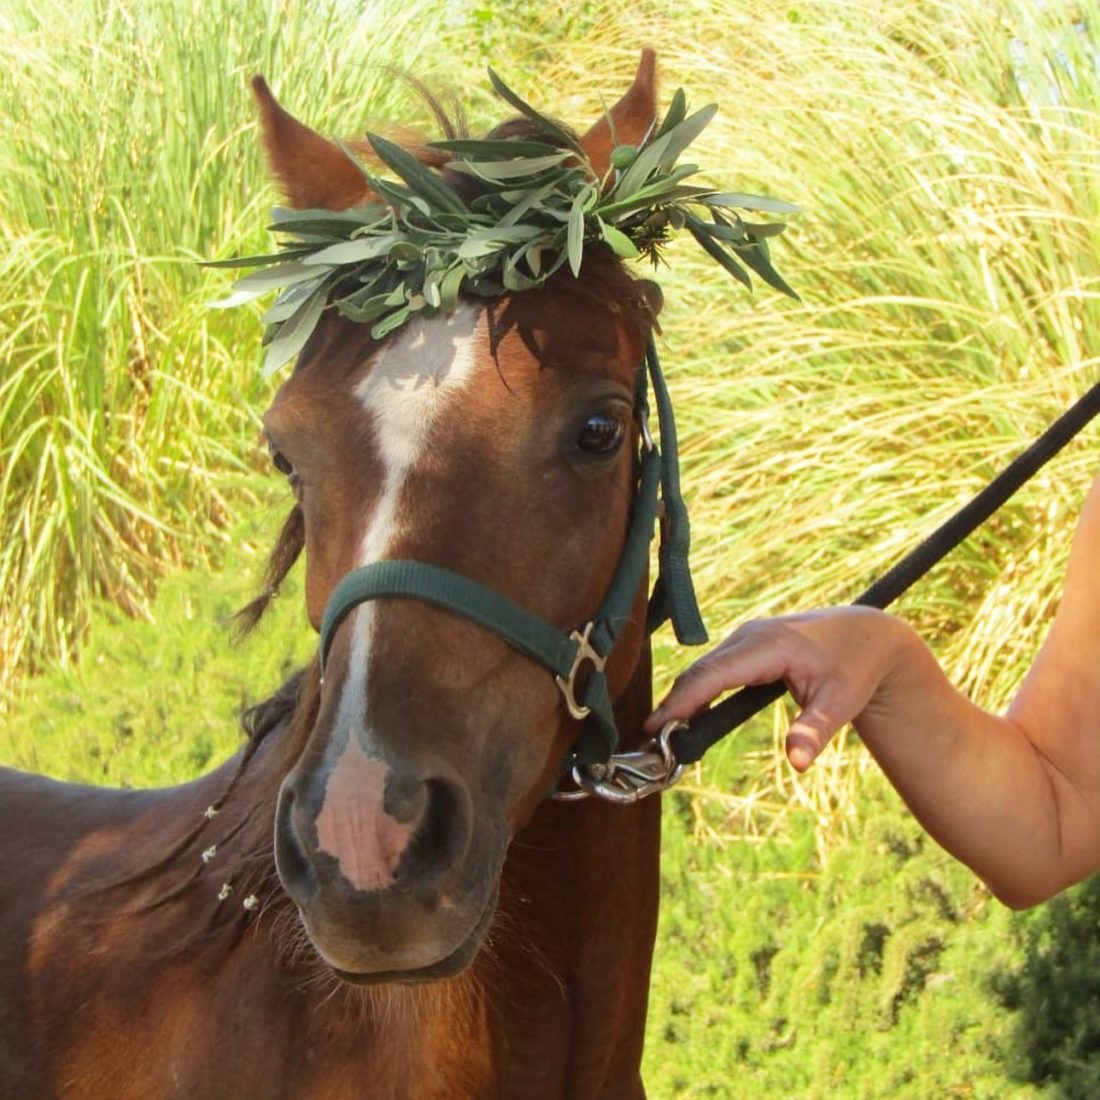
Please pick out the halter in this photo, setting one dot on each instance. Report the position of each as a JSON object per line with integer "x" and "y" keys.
{"x": 593, "y": 762}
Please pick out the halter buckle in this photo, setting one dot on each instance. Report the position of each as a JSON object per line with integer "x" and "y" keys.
{"x": 585, "y": 652}
{"x": 629, "y": 776}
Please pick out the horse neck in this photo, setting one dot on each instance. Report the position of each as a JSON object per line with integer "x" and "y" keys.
{"x": 575, "y": 933}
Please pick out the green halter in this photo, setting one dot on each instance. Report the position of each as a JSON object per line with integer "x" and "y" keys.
{"x": 565, "y": 653}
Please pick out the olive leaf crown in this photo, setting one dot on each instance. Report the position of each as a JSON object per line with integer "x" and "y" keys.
{"x": 421, "y": 244}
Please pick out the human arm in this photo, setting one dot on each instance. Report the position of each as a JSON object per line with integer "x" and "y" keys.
{"x": 1016, "y": 797}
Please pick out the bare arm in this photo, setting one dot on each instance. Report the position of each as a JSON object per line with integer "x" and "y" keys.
{"x": 1016, "y": 797}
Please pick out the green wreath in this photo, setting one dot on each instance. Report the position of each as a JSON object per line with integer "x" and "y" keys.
{"x": 421, "y": 245}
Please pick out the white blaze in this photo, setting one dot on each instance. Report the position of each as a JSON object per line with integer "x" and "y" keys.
{"x": 422, "y": 372}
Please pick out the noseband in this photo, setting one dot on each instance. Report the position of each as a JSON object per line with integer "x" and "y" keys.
{"x": 593, "y": 763}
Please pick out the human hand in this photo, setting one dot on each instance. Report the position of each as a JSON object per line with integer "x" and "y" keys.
{"x": 835, "y": 663}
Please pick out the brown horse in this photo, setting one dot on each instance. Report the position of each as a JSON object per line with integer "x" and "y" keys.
{"x": 376, "y": 898}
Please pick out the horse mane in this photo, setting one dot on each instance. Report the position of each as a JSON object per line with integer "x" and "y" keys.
{"x": 286, "y": 551}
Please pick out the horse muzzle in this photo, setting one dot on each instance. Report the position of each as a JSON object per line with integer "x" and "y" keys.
{"x": 384, "y": 865}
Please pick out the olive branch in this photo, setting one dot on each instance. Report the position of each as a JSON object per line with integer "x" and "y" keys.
{"x": 421, "y": 244}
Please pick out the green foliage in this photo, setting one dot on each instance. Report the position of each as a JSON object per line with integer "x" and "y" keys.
{"x": 874, "y": 975}
{"x": 154, "y": 700}
{"x": 1056, "y": 1035}
{"x": 127, "y": 407}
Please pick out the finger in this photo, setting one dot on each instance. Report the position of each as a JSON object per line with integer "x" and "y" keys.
{"x": 693, "y": 689}
{"x": 721, "y": 670}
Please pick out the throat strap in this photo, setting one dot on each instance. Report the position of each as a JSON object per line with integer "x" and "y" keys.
{"x": 674, "y": 591}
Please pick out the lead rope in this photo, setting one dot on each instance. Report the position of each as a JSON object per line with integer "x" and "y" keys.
{"x": 686, "y": 743}
{"x": 628, "y": 777}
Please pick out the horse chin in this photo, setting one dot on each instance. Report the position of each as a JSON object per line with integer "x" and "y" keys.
{"x": 449, "y": 966}
{"x": 448, "y": 963}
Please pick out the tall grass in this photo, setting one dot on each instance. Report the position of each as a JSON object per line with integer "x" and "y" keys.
{"x": 126, "y": 407}
{"x": 947, "y": 157}
{"x": 946, "y": 152}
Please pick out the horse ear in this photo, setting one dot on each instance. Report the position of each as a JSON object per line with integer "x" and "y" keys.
{"x": 314, "y": 172}
{"x": 630, "y": 119}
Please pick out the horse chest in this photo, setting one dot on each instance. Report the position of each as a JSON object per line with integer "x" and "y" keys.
{"x": 248, "y": 1038}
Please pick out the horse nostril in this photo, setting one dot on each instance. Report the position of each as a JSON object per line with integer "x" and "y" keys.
{"x": 443, "y": 837}
{"x": 294, "y": 868}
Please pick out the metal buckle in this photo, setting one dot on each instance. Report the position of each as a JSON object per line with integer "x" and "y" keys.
{"x": 585, "y": 652}
{"x": 629, "y": 776}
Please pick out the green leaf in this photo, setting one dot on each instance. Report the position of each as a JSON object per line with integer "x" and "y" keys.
{"x": 560, "y": 135}
{"x": 431, "y": 288}
{"x": 421, "y": 179}
{"x": 649, "y": 197}
{"x": 236, "y": 298}
{"x": 752, "y": 202}
{"x": 483, "y": 242}
{"x": 639, "y": 172}
{"x": 258, "y": 261}
{"x": 759, "y": 230}
{"x": 533, "y": 254}
{"x": 399, "y": 197}
{"x": 711, "y": 247}
{"x": 364, "y": 310}
{"x": 677, "y": 109}
{"x": 529, "y": 200}
{"x": 267, "y": 280}
{"x": 513, "y": 278}
{"x": 684, "y": 133}
{"x": 735, "y": 234}
{"x": 394, "y": 321}
{"x": 575, "y": 232}
{"x": 284, "y": 307}
{"x": 618, "y": 241}
{"x": 496, "y": 170}
{"x": 359, "y": 215}
{"x": 352, "y": 252}
{"x": 279, "y": 276}
{"x": 449, "y": 287}
{"x": 293, "y": 334}
{"x": 759, "y": 262}
{"x": 403, "y": 251}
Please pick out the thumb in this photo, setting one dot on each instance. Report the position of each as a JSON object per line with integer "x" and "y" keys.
{"x": 809, "y": 733}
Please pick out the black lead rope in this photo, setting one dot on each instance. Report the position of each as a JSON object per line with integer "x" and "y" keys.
{"x": 688, "y": 745}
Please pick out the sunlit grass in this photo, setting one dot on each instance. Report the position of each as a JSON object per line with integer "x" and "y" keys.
{"x": 945, "y": 154}
{"x": 127, "y": 408}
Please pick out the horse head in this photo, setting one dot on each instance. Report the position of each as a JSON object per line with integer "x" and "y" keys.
{"x": 498, "y": 442}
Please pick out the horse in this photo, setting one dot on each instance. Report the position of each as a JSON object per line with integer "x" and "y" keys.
{"x": 376, "y": 896}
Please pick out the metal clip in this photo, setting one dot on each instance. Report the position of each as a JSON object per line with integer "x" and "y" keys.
{"x": 629, "y": 776}
{"x": 585, "y": 652}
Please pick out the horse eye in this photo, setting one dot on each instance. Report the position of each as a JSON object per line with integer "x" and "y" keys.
{"x": 601, "y": 434}
{"x": 279, "y": 460}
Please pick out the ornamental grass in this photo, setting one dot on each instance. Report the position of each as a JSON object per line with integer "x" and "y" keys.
{"x": 944, "y": 155}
